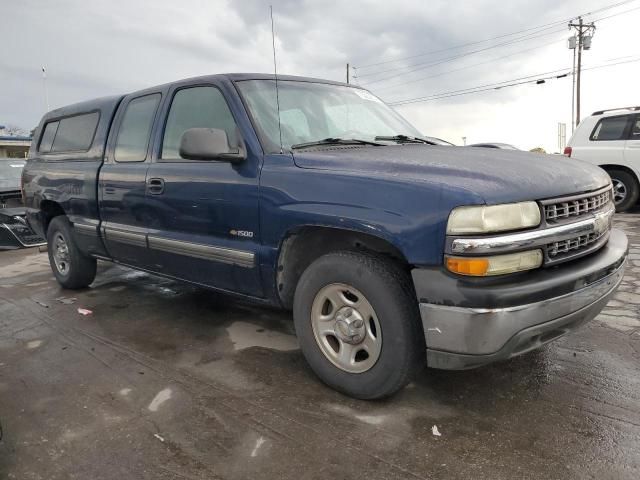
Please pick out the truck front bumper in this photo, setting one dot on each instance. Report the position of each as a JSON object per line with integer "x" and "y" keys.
{"x": 469, "y": 322}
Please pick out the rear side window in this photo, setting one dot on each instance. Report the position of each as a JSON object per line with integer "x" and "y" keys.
{"x": 47, "y": 136}
{"x": 70, "y": 134}
{"x": 133, "y": 136}
{"x": 196, "y": 107}
{"x": 611, "y": 128}
{"x": 635, "y": 130}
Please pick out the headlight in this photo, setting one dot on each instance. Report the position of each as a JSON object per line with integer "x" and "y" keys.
{"x": 495, "y": 265}
{"x": 493, "y": 218}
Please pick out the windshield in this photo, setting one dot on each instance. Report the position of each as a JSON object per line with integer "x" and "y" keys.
{"x": 310, "y": 112}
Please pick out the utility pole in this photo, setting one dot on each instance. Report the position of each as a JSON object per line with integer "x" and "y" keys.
{"x": 584, "y": 35}
{"x": 579, "y": 71}
{"x": 572, "y": 45}
{"x": 347, "y": 73}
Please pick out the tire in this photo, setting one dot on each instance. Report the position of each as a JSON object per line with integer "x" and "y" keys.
{"x": 625, "y": 188}
{"x": 393, "y": 332}
{"x": 72, "y": 268}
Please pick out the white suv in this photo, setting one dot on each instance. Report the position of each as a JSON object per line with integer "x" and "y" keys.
{"x": 611, "y": 139}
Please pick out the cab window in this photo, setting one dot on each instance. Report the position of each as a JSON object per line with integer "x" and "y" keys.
{"x": 69, "y": 134}
{"x": 133, "y": 136}
{"x": 635, "y": 130}
{"x": 196, "y": 107}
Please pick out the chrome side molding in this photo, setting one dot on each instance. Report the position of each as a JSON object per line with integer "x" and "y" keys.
{"x": 206, "y": 252}
{"x": 212, "y": 253}
{"x": 135, "y": 239}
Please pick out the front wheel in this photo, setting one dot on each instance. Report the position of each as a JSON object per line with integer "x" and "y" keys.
{"x": 625, "y": 189}
{"x": 70, "y": 266}
{"x": 358, "y": 324}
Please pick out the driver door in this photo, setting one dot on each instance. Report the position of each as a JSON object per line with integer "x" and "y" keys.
{"x": 203, "y": 218}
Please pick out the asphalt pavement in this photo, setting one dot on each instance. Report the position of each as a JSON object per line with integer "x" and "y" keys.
{"x": 167, "y": 381}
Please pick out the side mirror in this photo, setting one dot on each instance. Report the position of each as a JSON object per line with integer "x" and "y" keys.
{"x": 209, "y": 144}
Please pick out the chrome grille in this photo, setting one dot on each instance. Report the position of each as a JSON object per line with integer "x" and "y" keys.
{"x": 575, "y": 206}
{"x": 556, "y": 249}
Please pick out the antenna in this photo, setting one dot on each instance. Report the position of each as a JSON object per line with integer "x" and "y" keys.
{"x": 275, "y": 74}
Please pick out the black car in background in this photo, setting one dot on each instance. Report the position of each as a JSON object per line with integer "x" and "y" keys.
{"x": 10, "y": 173}
{"x": 501, "y": 146}
{"x": 14, "y": 231}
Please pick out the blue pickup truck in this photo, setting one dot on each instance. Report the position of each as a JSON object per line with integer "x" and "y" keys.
{"x": 314, "y": 196}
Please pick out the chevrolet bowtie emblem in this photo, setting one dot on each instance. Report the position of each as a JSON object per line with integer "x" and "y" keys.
{"x": 602, "y": 222}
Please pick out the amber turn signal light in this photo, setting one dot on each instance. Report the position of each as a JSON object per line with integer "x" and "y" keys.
{"x": 495, "y": 264}
{"x": 468, "y": 266}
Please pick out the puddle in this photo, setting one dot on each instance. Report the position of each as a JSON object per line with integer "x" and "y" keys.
{"x": 28, "y": 264}
{"x": 246, "y": 335}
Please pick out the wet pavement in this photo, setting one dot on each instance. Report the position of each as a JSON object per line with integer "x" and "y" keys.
{"x": 166, "y": 381}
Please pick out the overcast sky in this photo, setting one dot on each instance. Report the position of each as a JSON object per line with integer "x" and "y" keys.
{"x": 96, "y": 48}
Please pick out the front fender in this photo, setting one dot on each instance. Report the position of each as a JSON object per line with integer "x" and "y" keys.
{"x": 411, "y": 216}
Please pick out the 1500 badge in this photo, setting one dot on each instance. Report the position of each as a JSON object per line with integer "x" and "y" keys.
{"x": 241, "y": 233}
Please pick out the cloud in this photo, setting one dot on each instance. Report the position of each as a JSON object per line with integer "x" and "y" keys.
{"x": 104, "y": 47}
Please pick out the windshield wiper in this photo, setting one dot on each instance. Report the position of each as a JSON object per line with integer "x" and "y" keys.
{"x": 335, "y": 141}
{"x": 403, "y": 139}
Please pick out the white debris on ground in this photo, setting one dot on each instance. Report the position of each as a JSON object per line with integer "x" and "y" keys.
{"x": 259, "y": 443}
{"x": 159, "y": 399}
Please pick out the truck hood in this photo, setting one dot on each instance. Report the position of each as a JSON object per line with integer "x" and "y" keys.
{"x": 498, "y": 176}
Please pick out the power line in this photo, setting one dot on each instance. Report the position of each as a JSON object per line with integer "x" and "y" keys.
{"x": 539, "y": 27}
{"x": 505, "y": 84}
{"x": 470, "y": 66}
{"x": 504, "y": 56}
{"x": 615, "y": 14}
{"x": 469, "y": 44}
{"x": 501, "y": 86}
{"x": 446, "y": 60}
{"x": 422, "y": 66}
{"x": 491, "y": 86}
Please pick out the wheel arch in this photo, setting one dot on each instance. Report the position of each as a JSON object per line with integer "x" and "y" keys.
{"x": 614, "y": 166}
{"x": 625, "y": 204}
{"x": 49, "y": 209}
{"x": 304, "y": 244}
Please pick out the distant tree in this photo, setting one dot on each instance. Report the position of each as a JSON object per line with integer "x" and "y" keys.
{"x": 13, "y": 131}
{"x": 538, "y": 150}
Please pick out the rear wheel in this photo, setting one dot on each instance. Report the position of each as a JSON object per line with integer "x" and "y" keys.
{"x": 358, "y": 324}
{"x": 70, "y": 266}
{"x": 625, "y": 189}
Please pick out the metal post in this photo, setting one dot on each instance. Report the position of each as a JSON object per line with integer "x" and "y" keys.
{"x": 573, "y": 92}
{"x": 347, "y": 73}
{"x": 582, "y": 29}
{"x": 579, "y": 71}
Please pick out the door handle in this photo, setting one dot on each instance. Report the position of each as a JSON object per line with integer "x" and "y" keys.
{"x": 109, "y": 190}
{"x": 155, "y": 186}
